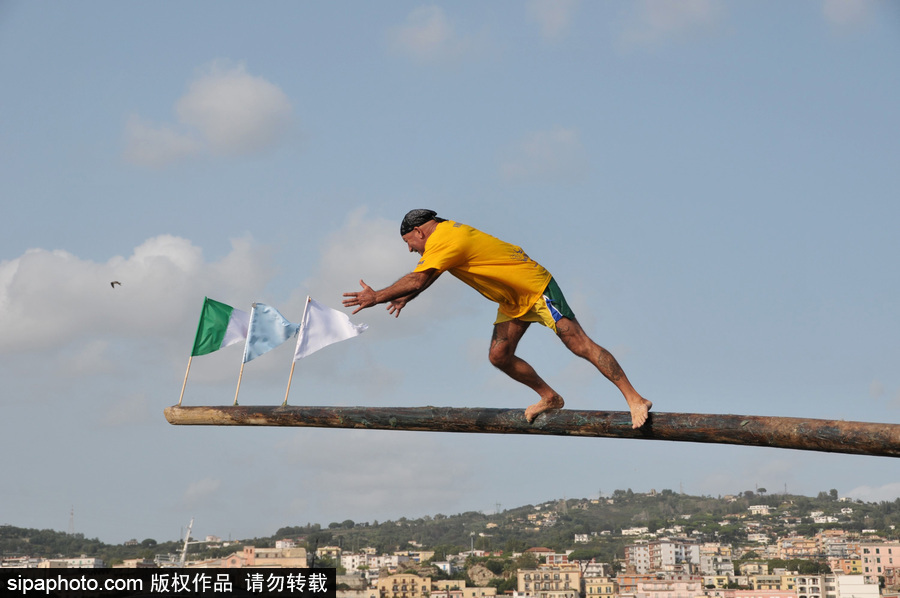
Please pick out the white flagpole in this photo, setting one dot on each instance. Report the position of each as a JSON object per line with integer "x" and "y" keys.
{"x": 238, "y": 389}
{"x": 294, "y": 362}
{"x": 185, "y": 380}
{"x": 241, "y": 374}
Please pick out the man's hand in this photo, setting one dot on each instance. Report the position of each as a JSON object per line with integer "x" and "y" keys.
{"x": 397, "y": 295}
{"x": 364, "y": 298}
{"x": 396, "y": 305}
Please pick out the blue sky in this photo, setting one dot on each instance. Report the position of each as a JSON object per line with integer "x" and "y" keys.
{"x": 714, "y": 186}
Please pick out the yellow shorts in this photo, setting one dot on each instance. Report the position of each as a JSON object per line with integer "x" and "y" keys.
{"x": 547, "y": 310}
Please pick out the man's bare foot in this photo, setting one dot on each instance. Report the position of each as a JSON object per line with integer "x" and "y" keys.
{"x": 640, "y": 411}
{"x": 554, "y": 402}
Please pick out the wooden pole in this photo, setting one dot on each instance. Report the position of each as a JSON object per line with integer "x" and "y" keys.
{"x": 288, "y": 390}
{"x": 185, "y": 380}
{"x": 238, "y": 389}
{"x": 294, "y": 362}
{"x": 834, "y": 436}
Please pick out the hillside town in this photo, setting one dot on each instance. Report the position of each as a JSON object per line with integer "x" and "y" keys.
{"x": 675, "y": 561}
{"x": 651, "y": 568}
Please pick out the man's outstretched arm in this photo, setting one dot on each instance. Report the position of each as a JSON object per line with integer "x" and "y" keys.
{"x": 404, "y": 290}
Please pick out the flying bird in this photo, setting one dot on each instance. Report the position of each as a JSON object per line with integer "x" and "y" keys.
{"x": 114, "y": 283}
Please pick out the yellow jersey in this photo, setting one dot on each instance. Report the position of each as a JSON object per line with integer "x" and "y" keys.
{"x": 500, "y": 271}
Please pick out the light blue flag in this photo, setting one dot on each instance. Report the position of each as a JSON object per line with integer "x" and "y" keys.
{"x": 268, "y": 329}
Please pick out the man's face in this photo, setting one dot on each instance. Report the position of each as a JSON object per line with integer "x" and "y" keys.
{"x": 415, "y": 240}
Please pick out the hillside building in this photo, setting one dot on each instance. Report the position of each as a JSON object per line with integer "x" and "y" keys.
{"x": 550, "y": 582}
{"x": 661, "y": 585}
{"x": 251, "y": 556}
{"x": 662, "y": 556}
{"x": 877, "y": 557}
{"x": 403, "y": 586}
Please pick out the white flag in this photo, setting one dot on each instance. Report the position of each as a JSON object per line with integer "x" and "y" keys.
{"x": 322, "y": 326}
{"x": 268, "y": 329}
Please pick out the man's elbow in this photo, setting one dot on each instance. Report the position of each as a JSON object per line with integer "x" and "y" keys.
{"x": 421, "y": 280}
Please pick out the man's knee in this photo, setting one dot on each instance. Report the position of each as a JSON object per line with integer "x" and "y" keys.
{"x": 499, "y": 355}
{"x": 504, "y": 340}
{"x": 575, "y": 338}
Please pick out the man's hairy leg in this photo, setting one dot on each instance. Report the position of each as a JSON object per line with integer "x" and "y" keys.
{"x": 504, "y": 341}
{"x": 576, "y": 339}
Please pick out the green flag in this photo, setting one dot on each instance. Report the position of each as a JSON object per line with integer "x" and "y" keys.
{"x": 220, "y": 325}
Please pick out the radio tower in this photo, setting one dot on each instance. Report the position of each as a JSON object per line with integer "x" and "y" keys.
{"x": 72, "y": 521}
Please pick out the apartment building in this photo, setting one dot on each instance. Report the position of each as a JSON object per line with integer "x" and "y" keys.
{"x": 767, "y": 582}
{"x": 814, "y": 586}
{"x": 457, "y": 588}
{"x": 755, "y": 568}
{"x": 550, "y": 582}
{"x": 661, "y": 585}
{"x": 855, "y": 586}
{"x": 416, "y": 556}
{"x": 594, "y": 569}
{"x": 557, "y": 559}
{"x": 662, "y": 555}
{"x": 717, "y": 581}
{"x": 251, "y": 556}
{"x": 600, "y": 587}
{"x": 846, "y": 566}
{"x": 826, "y": 586}
{"x": 798, "y": 547}
{"x": 716, "y": 561}
{"x": 77, "y": 563}
{"x": 540, "y": 552}
{"x": 637, "y": 558}
{"x": 836, "y": 546}
{"x": 876, "y": 557}
{"x": 403, "y": 586}
{"x": 356, "y": 562}
{"x": 328, "y": 552}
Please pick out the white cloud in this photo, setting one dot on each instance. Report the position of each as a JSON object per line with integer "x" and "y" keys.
{"x": 655, "y": 21}
{"x": 49, "y": 299}
{"x": 200, "y": 493}
{"x": 846, "y": 13}
{"x": 236, "y": 113}
{"x": 553, "y": 154}
{"x": 552, "y": 16}
{"x": 365, "y": 247}
{"x": 427, "y": 35}
{"x": 226, "y": 111}
{"x": 371, "y": 249}
{"x": 887, "y": 492}
{"x": 157, "y": 146}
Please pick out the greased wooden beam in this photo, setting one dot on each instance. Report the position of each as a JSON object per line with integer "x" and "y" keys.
{"x": 834, "y": 436}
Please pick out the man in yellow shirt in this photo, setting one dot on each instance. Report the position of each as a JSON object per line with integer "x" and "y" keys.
{"x": 524, "y": 290}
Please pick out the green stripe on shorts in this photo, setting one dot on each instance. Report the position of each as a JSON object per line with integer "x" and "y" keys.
{"x": 557, "y": 300}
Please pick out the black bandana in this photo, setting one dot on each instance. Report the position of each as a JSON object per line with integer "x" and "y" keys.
{"x": 416, "y": 218}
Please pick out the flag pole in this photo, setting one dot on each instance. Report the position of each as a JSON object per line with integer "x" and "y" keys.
{"x": 244, "y": 359}
{"x": 291, "y": 377}
{"x": 199, "y": 327}
{"x": 185, "y": 380}
{"x": 238, "y": 389}
{"x": 294, "y": 362}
